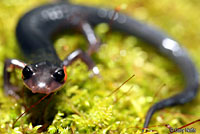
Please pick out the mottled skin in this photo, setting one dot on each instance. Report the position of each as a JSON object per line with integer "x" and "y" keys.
{"x": 36, "y": 28}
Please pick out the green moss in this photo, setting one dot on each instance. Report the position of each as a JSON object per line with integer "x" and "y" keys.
{"x": 83, "y": 105}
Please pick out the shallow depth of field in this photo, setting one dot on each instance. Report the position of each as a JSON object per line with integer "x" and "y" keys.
{"x": 88, "y": 104}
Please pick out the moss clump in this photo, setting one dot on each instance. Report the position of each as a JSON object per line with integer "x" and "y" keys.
{"x": 84, "y": 105}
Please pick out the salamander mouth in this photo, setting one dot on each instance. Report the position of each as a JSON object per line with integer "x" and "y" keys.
{"x": 41, "y": 90}
{"x": 44, "y": 88}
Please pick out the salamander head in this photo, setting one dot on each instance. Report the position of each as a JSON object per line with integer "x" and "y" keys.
{"x": 44, "y": 77}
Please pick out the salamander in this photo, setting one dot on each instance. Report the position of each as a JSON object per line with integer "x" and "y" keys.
{"x": 44, "y": 72}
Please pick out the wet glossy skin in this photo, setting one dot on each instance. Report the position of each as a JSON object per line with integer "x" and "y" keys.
{"x": 35, "y": 29}
{"x": 42, "y": 79}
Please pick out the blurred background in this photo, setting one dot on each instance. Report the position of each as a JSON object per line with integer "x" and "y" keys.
{"x": 180, "y": 19}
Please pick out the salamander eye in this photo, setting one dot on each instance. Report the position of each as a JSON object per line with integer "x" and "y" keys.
{"x": 59, "y": 75}
{"x": 27, "y": 72}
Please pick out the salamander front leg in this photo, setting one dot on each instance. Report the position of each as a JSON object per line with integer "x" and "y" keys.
{"x": 9, "y": 65}
{"x": 79, "y": 54}
{"x": 94, "y": 41}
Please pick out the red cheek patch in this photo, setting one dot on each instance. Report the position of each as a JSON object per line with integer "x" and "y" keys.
{"x": 22, "y": 76}
{"x": 65, "y": 71}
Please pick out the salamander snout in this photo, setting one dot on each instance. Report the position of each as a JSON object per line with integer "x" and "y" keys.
{"x": 42, "y": 78}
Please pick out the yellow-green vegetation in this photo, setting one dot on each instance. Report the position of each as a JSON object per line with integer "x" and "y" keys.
{"x": 84, "y": 104}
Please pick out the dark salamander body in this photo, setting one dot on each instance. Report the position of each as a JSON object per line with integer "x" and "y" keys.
{"x": 36, "y": 28}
